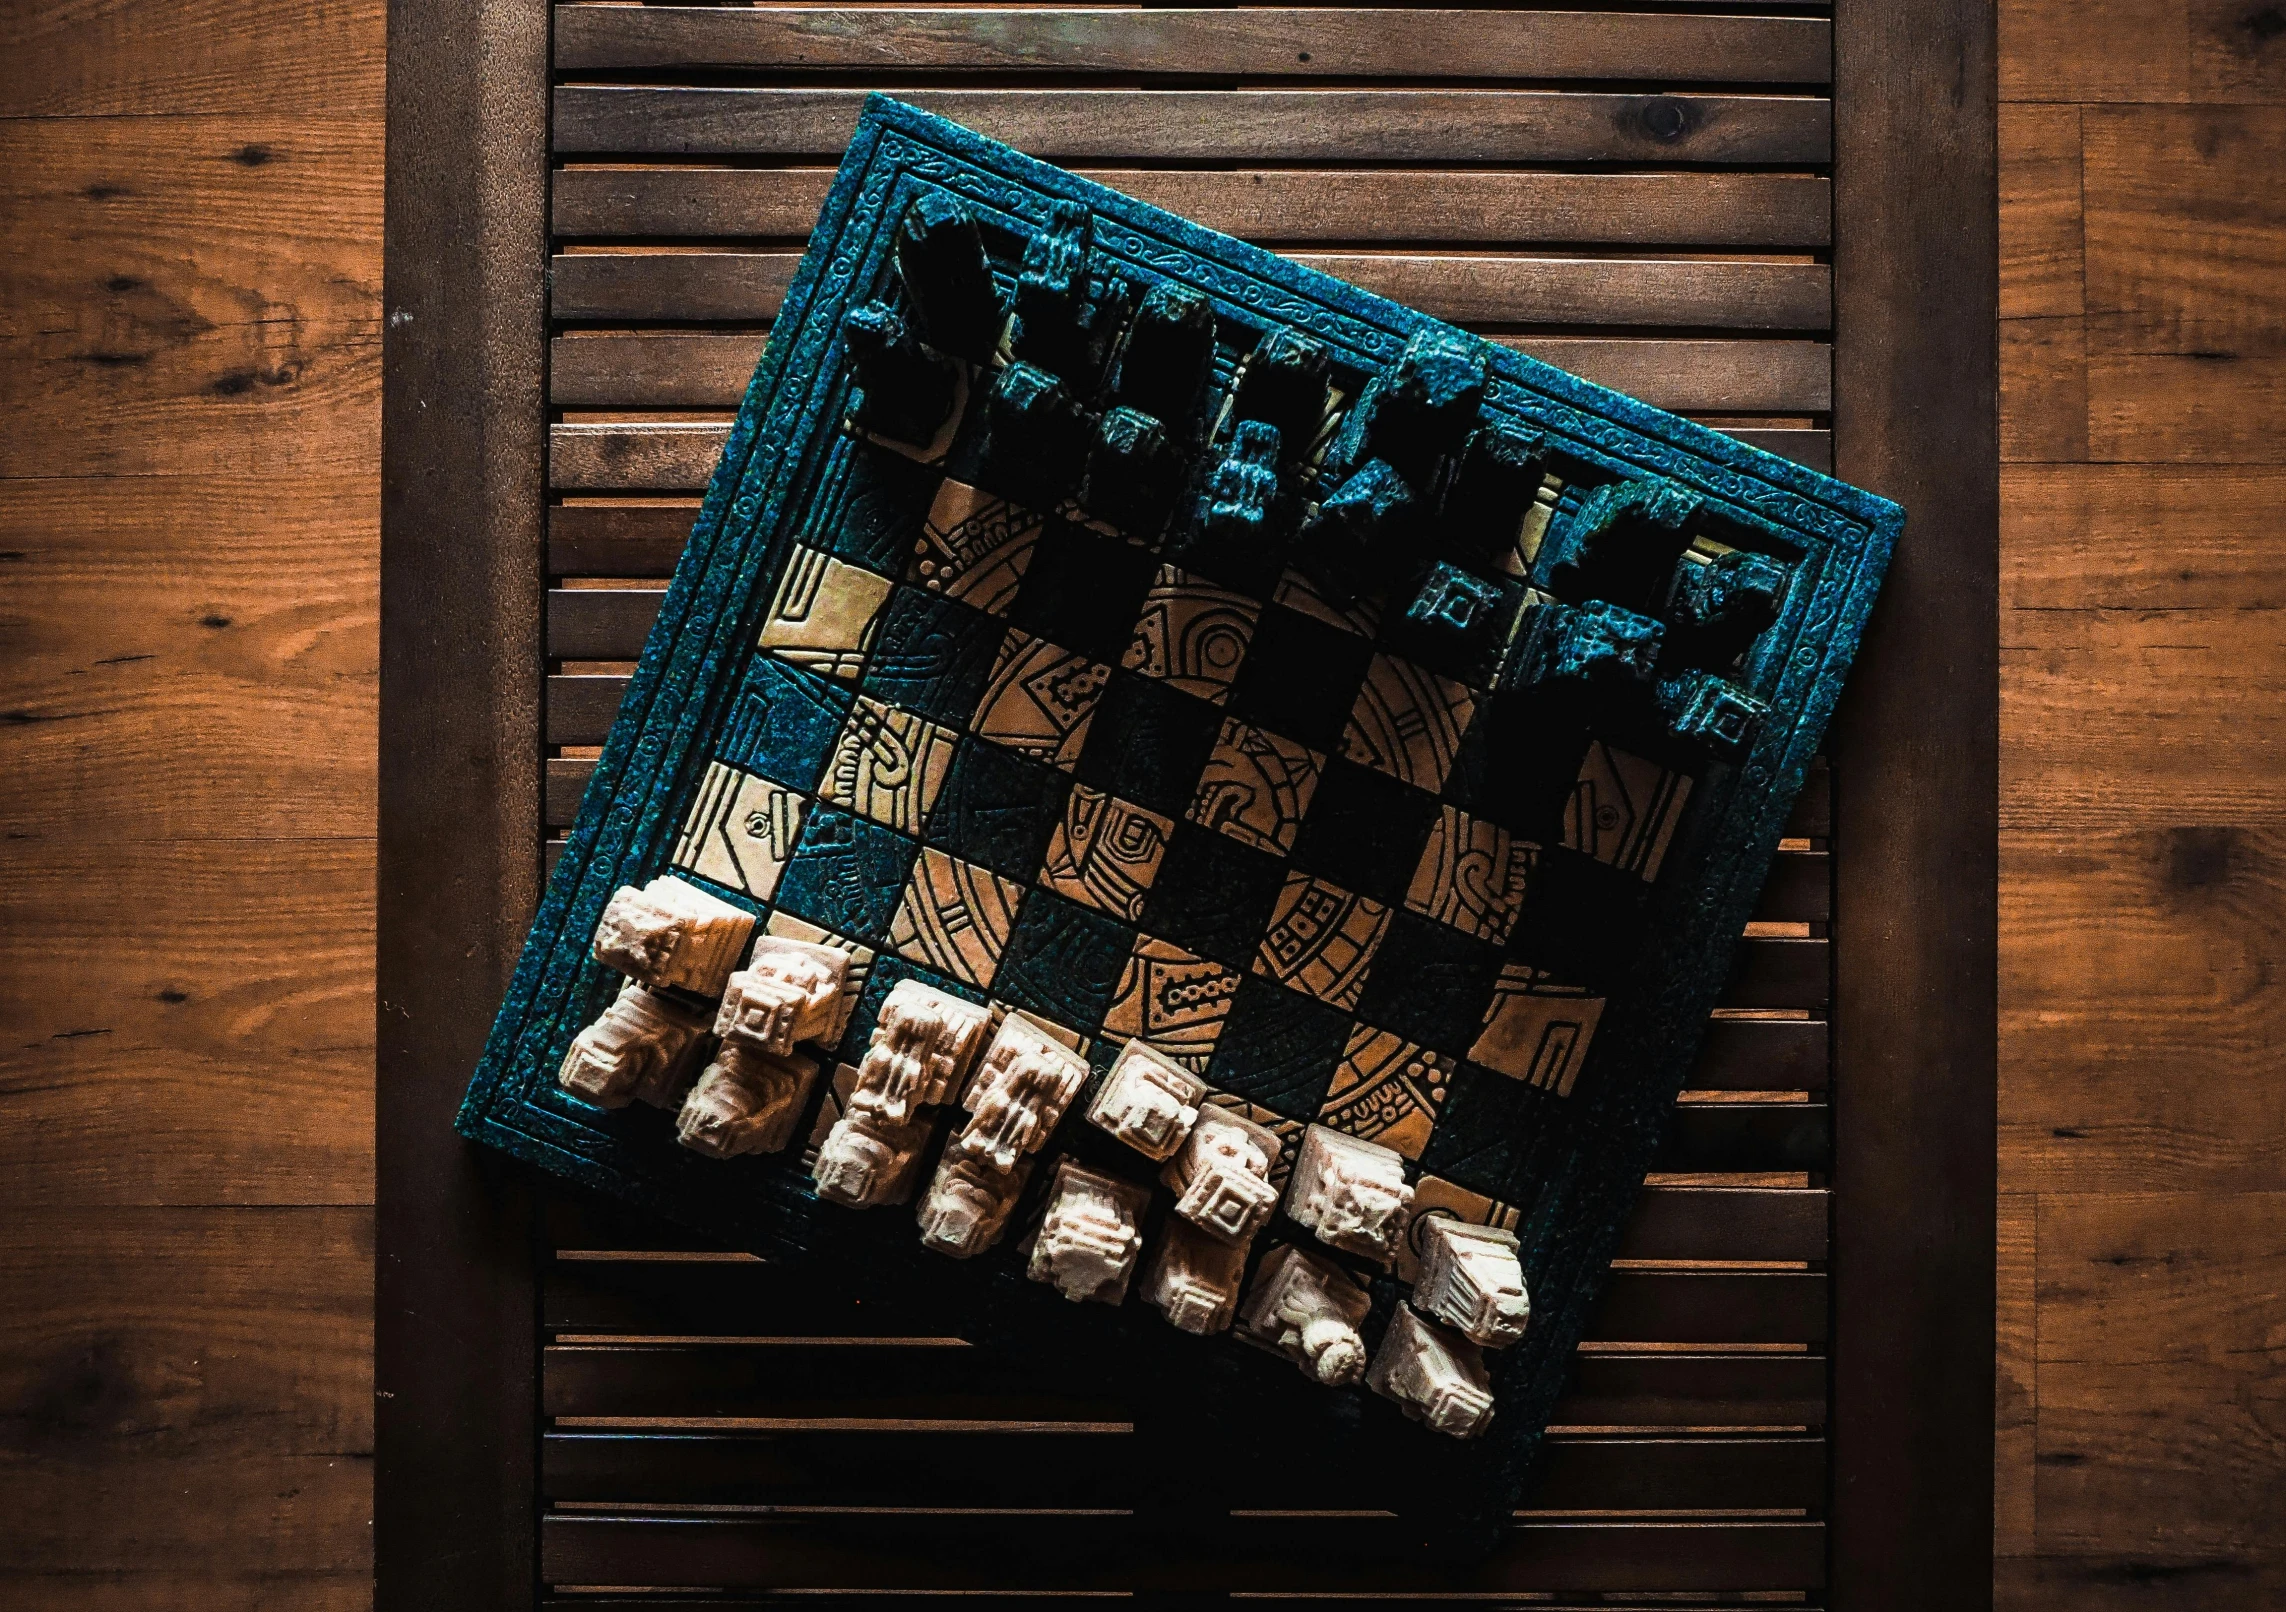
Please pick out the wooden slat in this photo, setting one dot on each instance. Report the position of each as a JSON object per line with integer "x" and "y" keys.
{"x": 1748, "y": 1137}
{"x": 618, "y": 540}
{"x": 686, "y": 369}
{"x": 1469, "y": 289}
{"x": 1010, "y": 1469}
{"x": 1428, "y": 126}
{"x": 1780, "y": 974}
{"x": 1774, "y": 211}
{"x": 1694, "y": 1390}
{"x": 919, "y": 1551}
{"x": 1682, "y": 1223}
{"x": 1761, "y": 1055}
{"x": 1249, "y": 43}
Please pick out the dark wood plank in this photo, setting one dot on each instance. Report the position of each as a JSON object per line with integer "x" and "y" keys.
{"x": 288, "y": 59}
{"x": 618, "y": 540}
{"x": 1471, "y": 289}
{"x": 1781, "y": 974}
{"x": 1748, "y": 1137}
{"x": 1762, "y": 1055}
{"x": 1767, "y": 1223}
{"x": 1916, "y": 746}
{"x": 1428, "y": 126}
{"x": 692, "y": 369}
{"x": 1694, "y": 1390}
{"x": 1269, "y": 42}
{"x": 1773, "y": 211}
{"x": 463, "y": 451}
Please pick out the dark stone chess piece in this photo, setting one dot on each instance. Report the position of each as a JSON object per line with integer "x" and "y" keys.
{"x": 1710, "y": 714}
{"x": 1283, "y": 384}
{"x": 1065, "y": 320}
{"x": 1035, "y": 437}
{"x": 941, "y": 259}
{"x": 1491, "y": 486}
{"x": 1354, "y": 535}
{"x": 1242, "y": 499}
{"x": 1133, "y": 473}
{"x": 1461, "y": 607}
{"x": 1622, "y": 544}
{"x": 903, "y": 391}
{"x": 1427, "y": 402}
{"x": 1597, "y": 648}
{"x": 1720, "y": 606}
{"x": 1167, "y": 356}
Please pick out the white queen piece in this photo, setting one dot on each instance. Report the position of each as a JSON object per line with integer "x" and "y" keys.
{"x": 1307, "y": 1308}
{"x": 1436, "y": 1377}
{"x": 1221, "y": 1177}
{"x": 1193, "y": 1279}
{"x": 645, "y": 1046}
{"x": 967, "y": 1205}
{"x": 922, "y": 1048}
{"x": 1090, "y": 1235}
{"x": 1147, "y": 1100}
{"x": 672, "y": 934}
{"x": 1351, "y": 1192}
{"x": 1472, "y": 1280}
{"x": 1019, "y": 1094}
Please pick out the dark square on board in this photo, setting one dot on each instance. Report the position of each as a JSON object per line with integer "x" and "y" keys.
{"x": 1279, "y": 1048}
{"x": 875, "y": 514}
{"x": 1212, "y": 895}
{"x": 1300, "y": 678}
{"x": 1063, "y": 961}
{"x": 997, "y": 809}
{"x": 781, "y": 724}
{"x": 1430, "y": 983}
{"x": 1083, "y": 590}
{"x": 1485, "y": 1133}
{"x": 1517, "y": 765}
{"x": 1365, "y": 830}
{"x": 846, "y": 875}
{"x": 1147, "y": 742}
{"x": 932, "y": 655}
{"x": 1581, "y": 918}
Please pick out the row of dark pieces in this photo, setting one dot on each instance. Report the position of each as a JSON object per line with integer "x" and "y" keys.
{"x": 1423, "y": 497}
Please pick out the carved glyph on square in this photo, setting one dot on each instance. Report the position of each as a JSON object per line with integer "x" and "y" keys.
{"x": 824, "y": 614}
{"x": 1624, "y": 809}
{"x": 1256, "y": 787}
{"x": 740, "y": 831}
{"x": 1537, "y": 1030}
{"x": 1472, "y": 875}
{"x": 1192, "y": 634}
{"x": 1407, "y": 722}
{"x": 1173, "y": 1000}
{"x": 1321, "y": 940}
{"x": 974, "y": 547}
{"x": 955, "y": 917}
{"x": 1105, "y": 852}
{"x": 1040, "y": 699}
{"x": 1387, "y": 1091}
{"x": 888, "y": 765}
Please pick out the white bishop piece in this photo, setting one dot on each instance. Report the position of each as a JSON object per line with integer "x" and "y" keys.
{"x": 1435, "y": 1376}
{"x": 1472, "y": 1281}
{"x": 1351, "y": 1192}
{"x": 1308, "y": 1308}
{"x": 1148, "y": 1101}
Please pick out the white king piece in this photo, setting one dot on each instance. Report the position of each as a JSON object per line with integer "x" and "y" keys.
{"x": 1091, "y": 1234}
{"x": 1193, "y": 1279}
{"x": 1307, "y": 1308}
{"x": 1436, "y": 1378}
{"x": 1351, "y": 1192}
{"x": 672, "y": 934}
{"x": 645, "y": 1046}
{"x": 967, "y": 1205}
{"x": 1019, "y": 1095}
{"x": 920, "y": 1051}
{"x": 1222, "y": 1176}
{"x": 1472, "y": 1280}
{"x": 1148, "y": 1101}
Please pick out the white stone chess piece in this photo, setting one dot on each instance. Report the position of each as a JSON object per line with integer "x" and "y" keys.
{"x": 1221, "y": 1177}
{"x": 672, "y": 934}
{"x": 1471, "y": 1280}
{"x": 645, "y": 1046}
{"x": 1092, "y": 1231}
{"x": 1193, "y": 1279}
{"x": 865, "y": 1161}
{"x": 1019, "y": 1094}
{"x": 922, "y": 1048}
{"x": 1148, "y": 1101}
{"x": 746, "y": 1102}
{"x": 1308, "y": 1309}
{"x": 967, "y": 1205}
{"x": 789, "y": 991}
{"x": 1351, "y": 1192}
{"x": 1436, "y": 1377}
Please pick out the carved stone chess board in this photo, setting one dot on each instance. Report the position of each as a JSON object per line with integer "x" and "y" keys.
{"x": 1171, "y": 643}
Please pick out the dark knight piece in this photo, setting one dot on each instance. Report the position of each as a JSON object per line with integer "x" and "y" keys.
{"x": 1596, "y": 645}
{"x": 1623, "y": 543}
{"x": 1724, "y": 604}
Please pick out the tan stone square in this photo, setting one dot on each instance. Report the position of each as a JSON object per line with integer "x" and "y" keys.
{"x": 1105, "y": 852}
{"x": 739, "y": 831}
{"x": 1536, "y": 1030}
{"x": 888, "y": 765}
{"x": 1040, "y": 700}
{"x": 1387, "y": 1090}
{"x": 1321, "y": 940}
{"x": 1624, "y": 809}
{"x": 1256, "y": 787}
{"x": 974, "y": 546}
{"x": 955, "y": 917}
{"x": 824, "y": 614}
{"x": 1191, "y": 634}
{"x": 1407, "y": 722}
{"x": 1173, "y": 1000}
{"x": 1472, "y": 875}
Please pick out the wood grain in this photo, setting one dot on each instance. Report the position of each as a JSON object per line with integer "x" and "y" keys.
{"x": 2217, "y": 52}
{"x": 108, "y": 58}
{"x": 2040, "y": 207}
{"x": 1774, "y": 211}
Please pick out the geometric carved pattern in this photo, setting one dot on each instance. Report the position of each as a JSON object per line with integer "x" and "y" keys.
{"x": 888, "y": 765}
{"x": 1537, "y": 1030}
{"x": 1191, "y": 633}
{"x": 1039, "y": 700}
{"x": 1407, "y": 722}
{"x": 739, "y": 831}
{"x": 1472, "y": 875}
{"x": 974, "y": 547}
{"x": 955, "y": 917}
{"x": 1173, "y": 1000}
{"x": 1256, "y": 787}
{"x": 1387, "y": 1090}
{"x": 822, "y": 618}
{"x": 1105, "y": 852}
{"x": 1624, "y": 810}
{"x": 1321, "y": 940}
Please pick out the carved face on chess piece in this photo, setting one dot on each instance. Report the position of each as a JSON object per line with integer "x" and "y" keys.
{"x": 967, "y": 1205}
{"x": 1351, "y": 1192}
{"x": 1193, "y": 1279}
{"x": 1472, "y": 1281}
{"x": 1090, "y": 1235}
{"x": 864, "y": 1162}
{"x": 1222, "y": 1176}
{"x": 645, "y": 1046}
{"x": 672, "y": 934}
{"x": 1019, "y": 1095}
{"x": 746, "y": 1102}
{"x": 1148, "y": 1101}
{"x": 1436, "y": 1377}
{"x": 789, "y": 991}
{"x": 923, "y": 1046}
{"x": 1307, "y": 1308}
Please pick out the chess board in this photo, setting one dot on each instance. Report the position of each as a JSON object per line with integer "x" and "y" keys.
{"x": 1331, "y": 851}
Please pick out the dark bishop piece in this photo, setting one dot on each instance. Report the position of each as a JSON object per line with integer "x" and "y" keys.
{"x": 903, "y": 391}
{"x": 1141, "y": 455}
{"x": 1063, "y": 323}
{"x": 1036, "y": 438}
{"x": 1718, "y": 607}
{"x": 948, "y": 277}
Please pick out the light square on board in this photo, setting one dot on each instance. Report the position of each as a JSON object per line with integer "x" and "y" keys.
{"x": 1191, "y": 634}
{"x": 1472, "y": 875}
{"x": 1255, "y": 787}
{"x": 1407, "y": 722}
{"x": 1040, "y": 700}
{"x": 1387, "y": 1090}
{"x": 1105, "y": 852}
{"x": 955, "y": 917}
{"x": 740, "y": 831}
{"x": 824, "y": 614}
{"x": 1321, "y": 940}
{"x": 1537, "y": 1029}
{"x": 888, "y": 765}
{"x": 1173, "y": 1000}
{"x": 1624, "y": 809}
{"x": 974, "y": 546}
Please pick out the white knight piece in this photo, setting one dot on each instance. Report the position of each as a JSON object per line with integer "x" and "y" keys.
{"x": 1019, "y": 1094}
{"x": 1351, "y": 1192}
{"x": 746, "y": 1102}
{"x": 1091, "y": 1234}
{"x": 922, "y": 1047}
{"x": 1435, "y": 1376}
{"x": 1472, "y": 1281}
{"x": 967, "y": 1205}
{"x": 645, "y": 1046}
{"x": 1148, "y": 1101}
{"x": 788, "y": 991}
{"x": 1307, "y": 1308}
{"x": 670, "y": 933}
{"x": 1221, "y": 1177}
{"x": 1193, "y": 1278}
{"x": 865, "y": 1161}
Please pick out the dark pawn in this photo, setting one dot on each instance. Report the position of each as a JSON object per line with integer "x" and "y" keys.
{"x": 1460, "y": 607}
{"x": 1284, "y": 385}
{"x": 903, "y": 392}
{"x": 1710, "y": 714}
{"x": 1168, "y": 354}
{"x": 1133, "y": 473}
{"x": 1428, "y": 401}
{"x": 1722, "y": 605}
{"x": 1594, "y": 647}
{"x": 1351, "y": 540}
{"x": 1622, "y": 545}
{"x": 1242, "y": 498}
{"x": 1036, "y": 437}
{"x": 941, "y": 259}
{"x": 1492, "y": 486}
